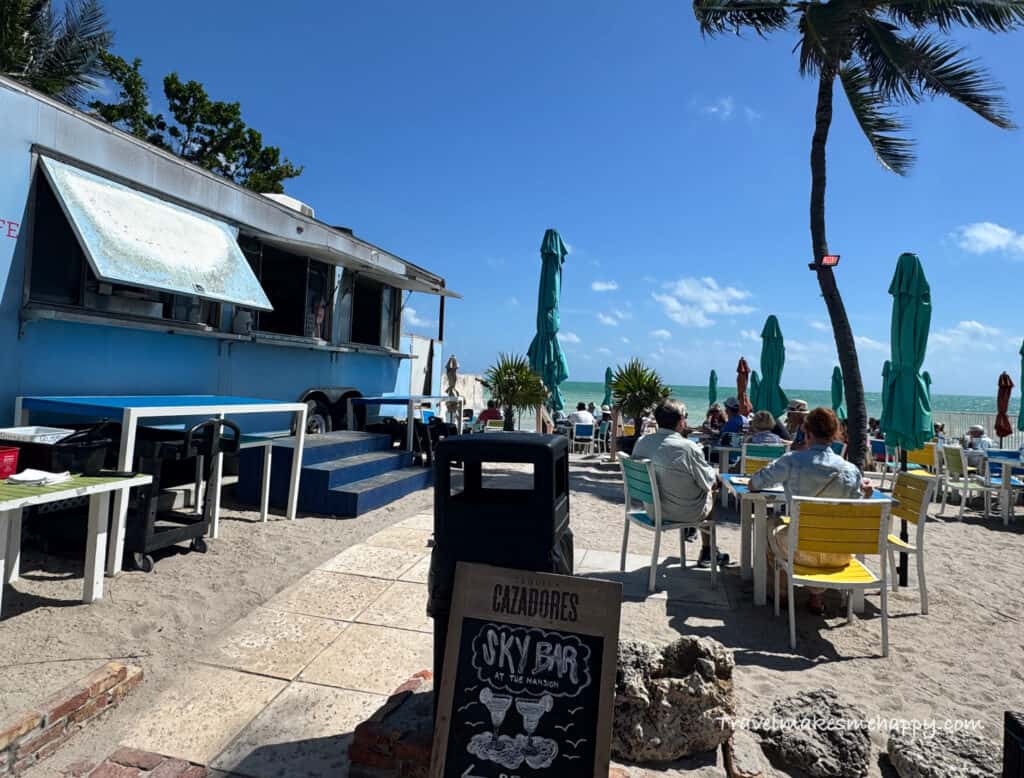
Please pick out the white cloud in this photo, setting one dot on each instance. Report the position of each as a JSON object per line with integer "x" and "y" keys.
{"x": 625, "y": 340}
{"x": 821, "y": 326}
{"x": 604, "y": 350}
{"x": 621, "y": 315}
{"x": 568, "y": 337}
{"x": 604, "y": 318}
{"x": 723, "y": 108}
{"x": 604, "y": 286}
{"x": 512, "y": 302}
{"x": 687, "y": 315}
{"x": 870, "y": 344}
{"x": 693, "y": 301}
{"x": 569, "y": 248}
{"x": 750, "y": 335}
{"x": 985, "y": 237}
{"x": 413, "y": 319}
{"x": 661, "y": 334}
{"x": 750, "y": 114}
{"x": 966, "y": 336}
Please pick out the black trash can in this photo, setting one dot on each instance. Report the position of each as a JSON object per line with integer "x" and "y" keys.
{"x": 493, "y": 523}
{"x": 1013, "y": 745}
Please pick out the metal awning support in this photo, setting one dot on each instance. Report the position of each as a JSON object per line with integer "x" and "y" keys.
{"x": 130, "y": 237}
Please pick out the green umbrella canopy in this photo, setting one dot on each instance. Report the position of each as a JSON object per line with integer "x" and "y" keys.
{"x": 545, "y": 353}
{"x": 837, "y": 394}
{"x": 1020, "y": 416}
{"x": 607, "y": 399}
{"x": 712, "y": 388}
{"x": 907, "y": 419}
{"x": 886, "y": 372}
{"x": 773, "y": 358}
{"x": 755, "y": 390}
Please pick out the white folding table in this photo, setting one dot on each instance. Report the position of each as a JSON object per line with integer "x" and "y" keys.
{"x": 131, "y": 409}
{"x": 14, "y": 498}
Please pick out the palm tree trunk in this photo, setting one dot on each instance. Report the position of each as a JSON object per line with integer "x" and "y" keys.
{"x": 510, "y": 419}
{"x": 846, "y": 347}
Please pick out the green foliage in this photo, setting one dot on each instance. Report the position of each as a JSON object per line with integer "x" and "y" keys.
{"x": 637, "y": 388}
{"x": 209, "y": 133}
{"x": 879, "y": 65}
{"x": 58, "y": 55}
{"x": 514, "y": 386}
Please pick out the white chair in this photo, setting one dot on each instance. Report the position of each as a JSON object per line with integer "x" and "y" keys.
{"x": 913, "y": 493}
{"x": 640, "y": 483}
{"x": 993, "y": 480}
{"x": 840, "y": 527}
{"x": 583, "y": 438}
{"x": 958, "y": 476}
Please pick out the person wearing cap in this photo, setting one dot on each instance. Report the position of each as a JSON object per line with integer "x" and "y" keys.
{"x": 606, "y": 413}
{"x": 686, "y": 482}
{"x": 734, "y": 420}
{"x": 796, "y": 413}
{"x": 977, "y": 444}
{"x": 762, "y": 425}
{"x": 816, "y": 471}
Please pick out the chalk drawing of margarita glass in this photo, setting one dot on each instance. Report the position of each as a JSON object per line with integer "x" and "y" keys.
{"x": 511, "y": 752}
{"x": 497, "y": 705}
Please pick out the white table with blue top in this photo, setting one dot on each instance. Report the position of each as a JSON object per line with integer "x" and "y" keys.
{"x": 1010, "y": 462}
{"x": 130, "y": 409}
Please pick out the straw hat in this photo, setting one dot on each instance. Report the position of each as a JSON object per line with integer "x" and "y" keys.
{"x": 762, "y": 421}
{"x": 797, "y": 406}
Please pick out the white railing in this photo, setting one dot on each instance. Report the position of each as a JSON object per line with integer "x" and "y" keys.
{"x": 958, "y": 423}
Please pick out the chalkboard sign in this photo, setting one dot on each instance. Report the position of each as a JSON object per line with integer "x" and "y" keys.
{"x": 529, "y": 676}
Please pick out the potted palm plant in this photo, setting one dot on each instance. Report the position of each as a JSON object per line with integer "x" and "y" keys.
{"x": 636, "y": 389}
{"x": 514, "y": 386}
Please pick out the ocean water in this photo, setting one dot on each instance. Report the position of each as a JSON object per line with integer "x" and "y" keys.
{"x": 696, "y": 398}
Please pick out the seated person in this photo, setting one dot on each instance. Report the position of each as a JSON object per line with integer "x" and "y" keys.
{"x": 977, "y": 444}
{"x": 940, "y": 433}
{"x": 796, "y": 412}
{"x": 606, "y": 413}
{"x": 581, "y": 415}
{"x": 816, "y": 471}
{"x": 686, "y": 482}
{"x": 491, "y": 413}
{"x": 762, "y": 425}
{"x": 875, "y": 428}
{"x": 591, "y": 409}
{"x": 735, "y": 422}
{"x": 714, "y": 419}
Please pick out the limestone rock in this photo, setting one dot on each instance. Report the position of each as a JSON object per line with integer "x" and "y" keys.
{"x": 943, "y": 754}
{"x": 672, "y": 702}
{"x": 744, "y": 758}
{"x": 811, "y": 731}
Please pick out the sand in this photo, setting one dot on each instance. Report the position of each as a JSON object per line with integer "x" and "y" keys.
{"x": 962, "y": 661}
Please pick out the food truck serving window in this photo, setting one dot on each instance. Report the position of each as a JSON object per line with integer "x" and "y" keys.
{"x": 134, "y": 239}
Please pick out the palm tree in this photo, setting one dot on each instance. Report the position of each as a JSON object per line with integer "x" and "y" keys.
{"x": 636, "y": 389}
{"x": 863, "y": 44}
{"x": 56, "y": 55}
{"x": 514, "y": 386}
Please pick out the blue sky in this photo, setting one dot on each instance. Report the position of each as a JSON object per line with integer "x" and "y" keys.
{"x": 676, "y": 168}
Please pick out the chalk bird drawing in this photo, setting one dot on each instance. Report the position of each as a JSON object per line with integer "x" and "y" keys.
{"x": 569, "y": 756}
{"x": 470, "y": 689}
{"x": 467, "y": 705}
{"x": 475, "y": 723}
{"x": 576, "y": 743}
{"x": 574, "y": 711}
{"x": 565, "y": 728}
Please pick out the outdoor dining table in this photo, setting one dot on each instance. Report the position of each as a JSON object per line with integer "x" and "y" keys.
{"x": 724, "y": 454}
{"x": 15, "y": 497}
{"x": 130, "y": 409}
{"x": 1008, "y": 462}
{"x": 753, "y": 508}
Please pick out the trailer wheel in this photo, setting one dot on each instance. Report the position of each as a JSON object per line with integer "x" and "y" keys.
{"x": 143, "y": 562}
{"x": 199, "y": 544}
{"x": 318, "y": 417}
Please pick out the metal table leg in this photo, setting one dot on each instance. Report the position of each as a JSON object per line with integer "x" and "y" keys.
{"x": 746, "y": 541}
{"x": 96, "y": 542}
{"x": 759, "y": 549}
{"x": 125, "y": 461}
{"x": 265, "y": 486}
{"x": 13, "y": 569}
{"x": 300, "y": 444}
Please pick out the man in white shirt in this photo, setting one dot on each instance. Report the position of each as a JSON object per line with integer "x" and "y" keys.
{"x": 977, "y": 445}
{"x": 581, "y": 416}
{"x": 686, "y": 482}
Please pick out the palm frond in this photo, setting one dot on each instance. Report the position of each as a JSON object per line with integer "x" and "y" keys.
{"x": 761, "y": 16}
{"x": 924, "y": 66}
{"x": 812, "y": 45}
{"x": 990, "y": 15}
{"x": 878, "y": 124}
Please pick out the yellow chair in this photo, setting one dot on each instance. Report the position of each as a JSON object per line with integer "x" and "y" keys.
{"x": 839, "y": 527}
{"x": 754, "y": 456}
{"x": 628, "y": 430}
{"x": 913, "y": 494}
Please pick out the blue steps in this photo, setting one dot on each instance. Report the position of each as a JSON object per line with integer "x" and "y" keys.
{"x": 343, "y": 473}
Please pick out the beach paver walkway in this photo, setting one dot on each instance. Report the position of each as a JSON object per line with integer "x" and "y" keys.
{"x": 281, "y": 691}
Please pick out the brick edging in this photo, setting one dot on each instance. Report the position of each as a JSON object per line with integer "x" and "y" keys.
{"x": 31, "y": 736}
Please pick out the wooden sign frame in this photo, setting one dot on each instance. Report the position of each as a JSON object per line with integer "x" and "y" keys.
{"x": 527, "y": 644}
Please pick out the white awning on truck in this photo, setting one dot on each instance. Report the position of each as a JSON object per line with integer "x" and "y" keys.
{"x": 134, "y": 238}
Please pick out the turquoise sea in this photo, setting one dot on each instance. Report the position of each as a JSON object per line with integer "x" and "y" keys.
{"x": 696, "y": 398}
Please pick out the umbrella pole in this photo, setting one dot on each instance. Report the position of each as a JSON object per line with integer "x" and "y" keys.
{"x": 904, "y": 535}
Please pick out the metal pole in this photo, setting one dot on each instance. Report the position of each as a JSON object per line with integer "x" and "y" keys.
{"x": 904, "y": 535}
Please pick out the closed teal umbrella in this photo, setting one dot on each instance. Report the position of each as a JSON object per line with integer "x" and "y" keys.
{"x": 607, "y": 399}
{"x": 1020, "y": 415}
{"x": 837, "y": 394}
{"x": 545, "y": 353}
{"x": 886, "y": 372}
{"x": 712, "y": 388}
{"x": 771, "y": 398}
{"x": 907, "y": 419}
{"x": 927, "y": 378}
{"x": 755, "y": 391}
